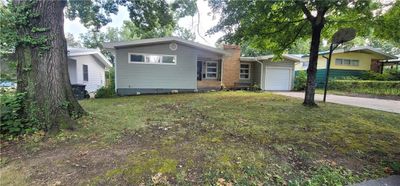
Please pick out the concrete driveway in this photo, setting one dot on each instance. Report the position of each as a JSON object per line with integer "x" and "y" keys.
{"x": 371, "y": 103}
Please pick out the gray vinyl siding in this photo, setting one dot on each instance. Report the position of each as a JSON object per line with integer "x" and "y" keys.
{"x": 253, "y": 74}
{"x": 183, "y": 75}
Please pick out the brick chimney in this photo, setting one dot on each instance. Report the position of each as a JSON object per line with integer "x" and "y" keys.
{"x": 231, "y": 66}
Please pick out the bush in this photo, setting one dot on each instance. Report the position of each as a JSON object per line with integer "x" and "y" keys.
{"x": 105, "y": 92}
{"x": 11, "y": 125}
{"x": 367, "y": 87}
{"x": 300, "y": 80}
{"x": 388, "y": 75}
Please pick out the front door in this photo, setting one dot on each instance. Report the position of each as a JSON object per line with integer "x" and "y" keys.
{"x": 199, "y": 70}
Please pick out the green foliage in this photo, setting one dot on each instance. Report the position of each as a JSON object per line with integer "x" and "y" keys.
{"x": 145, "y": 15}
{"x": 326, "y": 175}
{"x": 11, "y": 125}
{"x": 300, "y": 80}
{"x": 388, "y": 75}
{"x": 366, "y": 87}
{"x": 71, "y": 42}
{"x": 14, "y": 16}
{"x": 387, "y": 27}
{"x": 105, "y": 92}
{"x": 276, "y": 25}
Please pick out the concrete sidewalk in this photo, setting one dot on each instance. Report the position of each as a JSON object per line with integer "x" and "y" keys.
{"x": 388, "y": 181}
{"x": 371, "y": 103}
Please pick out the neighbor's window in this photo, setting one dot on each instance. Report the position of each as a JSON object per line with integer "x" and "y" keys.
{"x": 245, "y": 71}
{"x": 347, "y": 62}
{"x": 85, "y": 73}
{"x": 152, "y": 59}
{"x": 211, "y": 69}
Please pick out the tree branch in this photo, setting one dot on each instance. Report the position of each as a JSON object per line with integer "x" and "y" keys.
{"x": 295, "y": 36}
{"x": 305, "y": 10}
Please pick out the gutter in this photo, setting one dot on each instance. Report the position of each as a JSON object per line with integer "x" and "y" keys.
{"x": 262, "y": 72}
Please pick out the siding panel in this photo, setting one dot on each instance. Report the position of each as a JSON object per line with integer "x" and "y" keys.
{"x": 183, "y": 75}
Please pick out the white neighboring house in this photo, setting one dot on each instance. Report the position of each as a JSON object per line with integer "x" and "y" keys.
{"x": 87, "y": 67}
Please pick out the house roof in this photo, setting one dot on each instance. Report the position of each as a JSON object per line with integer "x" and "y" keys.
{"x": 363, "y": 49}
{"x": 292, "y": 57}
{"x": 394, "y": 60}
{"x": 72, "y": 52}
{"x": 141, "y": 42}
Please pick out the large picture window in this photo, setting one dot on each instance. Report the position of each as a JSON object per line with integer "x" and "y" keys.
{"x": 152, "y": 59}
{"x": 211, "y": 70}
{"x": 347, "y": 62}
{"x": 245, "y": 71}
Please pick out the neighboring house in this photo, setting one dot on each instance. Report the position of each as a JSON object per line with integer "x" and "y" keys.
{"x": 87, "y": 67}
{"x": 348, "y": 62}
{"x": 171, "y": 64}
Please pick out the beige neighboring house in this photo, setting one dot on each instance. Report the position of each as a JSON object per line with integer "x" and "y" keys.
{"x": 87, "y": 67}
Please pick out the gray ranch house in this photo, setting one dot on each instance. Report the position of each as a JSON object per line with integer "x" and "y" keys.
{"x": 171, "y": 64}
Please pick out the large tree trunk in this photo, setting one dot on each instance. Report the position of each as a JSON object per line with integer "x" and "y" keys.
{"x": 312, "y": 67}
{"x": 50, "y": 100}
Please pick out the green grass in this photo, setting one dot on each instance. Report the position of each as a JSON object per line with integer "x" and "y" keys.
{"x": 240, "y": 138}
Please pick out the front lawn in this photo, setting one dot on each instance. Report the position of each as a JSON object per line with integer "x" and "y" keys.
{"x": 239, "y": 138}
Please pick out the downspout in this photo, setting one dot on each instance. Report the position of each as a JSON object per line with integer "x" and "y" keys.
{"x": 262, "y": 72}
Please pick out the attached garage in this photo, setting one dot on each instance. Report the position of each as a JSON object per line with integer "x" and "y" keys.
{"x": 278, "y": 78}
{"x": 272, "y": 75}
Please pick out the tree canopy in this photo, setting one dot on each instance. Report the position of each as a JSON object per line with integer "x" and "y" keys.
{"x": 277, "y": 25}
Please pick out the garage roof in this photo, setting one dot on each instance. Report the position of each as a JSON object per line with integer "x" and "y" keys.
{"x": 292, "y": 57}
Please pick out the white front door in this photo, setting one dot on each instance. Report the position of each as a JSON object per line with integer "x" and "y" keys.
{"x": 278, "y": 78}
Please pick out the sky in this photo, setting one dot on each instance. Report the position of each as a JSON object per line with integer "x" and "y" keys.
{"x": 206, "y": 22}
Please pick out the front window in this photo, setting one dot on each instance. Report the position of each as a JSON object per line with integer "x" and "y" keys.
{"x": 347, "y": 62}
{"x": 211, "y": 69}
{"x": 152, "y": 59}
{"x": 245, "y": 71}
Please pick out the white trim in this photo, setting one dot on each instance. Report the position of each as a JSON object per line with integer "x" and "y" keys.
{"x": 96, "y": 53}
{"x": 291, "y": 72}
{"x": 115, "y": 70}
{"x": 262, "y": 79}
{"x": 216, "y": 70}
{"x": 249, "y": 73}
{"x": 147, "y": 54}
{"x": 222, "y": 71}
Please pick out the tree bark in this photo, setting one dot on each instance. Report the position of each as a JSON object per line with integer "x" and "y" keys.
{"x": 312, "y": 67}
{"x": 47, "y": 84}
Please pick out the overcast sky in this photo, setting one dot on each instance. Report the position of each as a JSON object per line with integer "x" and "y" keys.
{"x": 206, "y": 22}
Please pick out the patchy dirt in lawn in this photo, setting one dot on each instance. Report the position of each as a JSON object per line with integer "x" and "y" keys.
{"x": 184, "y": 143}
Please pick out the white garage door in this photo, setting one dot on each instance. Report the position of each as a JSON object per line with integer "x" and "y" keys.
{"x": 278, "y": 78}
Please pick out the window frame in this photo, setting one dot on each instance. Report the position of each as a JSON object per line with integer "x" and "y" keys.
{"x": 350, "y": 62}
{"x": 249, "y": 73}
{"x": 216, "y": 70}
{"x": 147, "y": 63}
{"x": 83, "y": 72}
